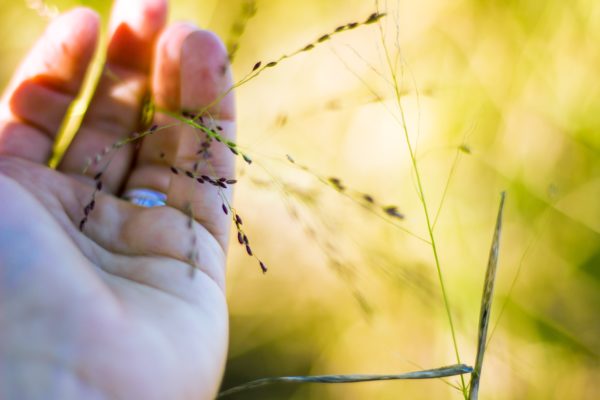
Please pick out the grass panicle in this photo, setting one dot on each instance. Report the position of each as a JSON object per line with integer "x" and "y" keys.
{"x": 261, "y": 66}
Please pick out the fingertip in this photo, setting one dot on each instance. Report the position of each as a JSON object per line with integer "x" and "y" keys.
{"x": 80, "y": 23}
{"x": 63, "y": 53}
{"x": 207, "y": 41}
{"x": 83, "y": 14}
{"x": 206, "y": 47}
{"x": 206, "y": 74}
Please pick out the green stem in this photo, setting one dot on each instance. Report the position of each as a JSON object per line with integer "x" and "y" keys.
{"x": 421, "y": 193}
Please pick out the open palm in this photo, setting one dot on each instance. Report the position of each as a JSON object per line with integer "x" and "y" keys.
{"x": 113, "y": 311}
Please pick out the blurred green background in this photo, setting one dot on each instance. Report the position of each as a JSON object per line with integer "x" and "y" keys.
{"x": 498, "y": 96}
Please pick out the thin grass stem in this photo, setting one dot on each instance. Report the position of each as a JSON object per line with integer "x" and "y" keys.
{"x": 421, "y": 194}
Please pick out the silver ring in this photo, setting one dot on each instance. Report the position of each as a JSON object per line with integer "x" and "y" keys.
{"x": 145, "y": 197}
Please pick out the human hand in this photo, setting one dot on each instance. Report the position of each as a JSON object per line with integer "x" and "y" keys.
{"x": 113, "y": 312}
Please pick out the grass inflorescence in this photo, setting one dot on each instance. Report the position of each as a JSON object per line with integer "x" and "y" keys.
{"x": 208, "y": 132}
{"x": 260, "y": 66}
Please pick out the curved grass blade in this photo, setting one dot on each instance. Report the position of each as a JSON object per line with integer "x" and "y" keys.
{"x": 486, "y": 303}
{"x": 442, "y": 372}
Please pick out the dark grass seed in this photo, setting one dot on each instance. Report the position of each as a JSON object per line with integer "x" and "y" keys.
{"x": 263, "y": 267}
{"x": 374, "y": 18}
{"x": 392, "y": 211}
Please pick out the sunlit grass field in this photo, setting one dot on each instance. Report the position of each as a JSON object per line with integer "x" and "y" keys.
{"x": 495, "y": 96}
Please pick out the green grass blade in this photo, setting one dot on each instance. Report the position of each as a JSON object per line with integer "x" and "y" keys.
{"x": 486, "y": 303}
{"x": 442, "y": 372}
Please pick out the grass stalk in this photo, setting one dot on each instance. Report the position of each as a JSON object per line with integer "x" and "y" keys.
{"x": 421, "y": 194}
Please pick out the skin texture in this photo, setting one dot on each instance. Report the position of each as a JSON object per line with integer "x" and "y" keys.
{"x": 112, "y": 312}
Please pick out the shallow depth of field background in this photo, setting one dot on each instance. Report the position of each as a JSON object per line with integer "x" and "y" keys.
{"x": 515, "y": 86}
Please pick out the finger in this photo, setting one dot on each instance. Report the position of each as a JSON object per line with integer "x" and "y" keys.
{"x": 191, "y": 73}
{"x": 148, "y": 171}
{"x": 115, "y": 108}
{"x": 45, "y": 84}
{"x": 204, "y": 78}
